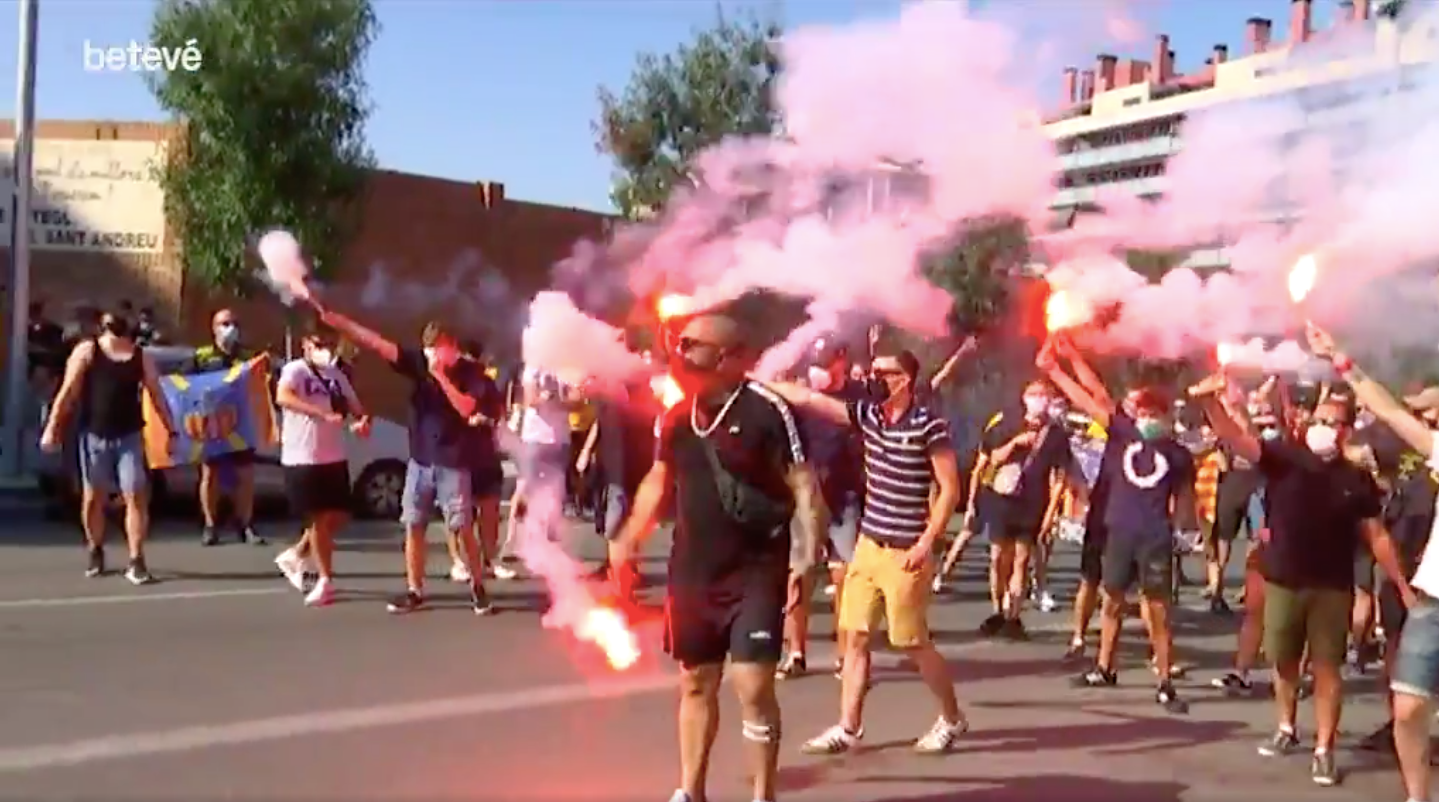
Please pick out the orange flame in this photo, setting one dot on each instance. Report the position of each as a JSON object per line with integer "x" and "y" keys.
{"x": 606, "y": 628}
{"x": 673, "y": 306}
{"x": 667, "y": 390}
{"x": 1064, "y": 311}
{"x": 1224, "y": 353}
{"x": 1302, "y": 277}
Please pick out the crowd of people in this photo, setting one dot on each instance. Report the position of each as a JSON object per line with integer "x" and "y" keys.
{"x": 847, "y": 477}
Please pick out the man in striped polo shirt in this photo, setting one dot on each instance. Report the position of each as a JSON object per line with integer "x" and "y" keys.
{"x": 907, "y": 448}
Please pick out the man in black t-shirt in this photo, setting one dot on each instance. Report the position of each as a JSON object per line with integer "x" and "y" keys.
{"x": 730, "y": 455}
{"x": 1321, "y": 509}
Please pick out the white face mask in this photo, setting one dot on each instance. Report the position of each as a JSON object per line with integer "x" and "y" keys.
{"x": 819, "y": 379}
{"x": 1035, "y": 405}
{"x": 322, "y": 357}
{"x": 1322, "y": 439}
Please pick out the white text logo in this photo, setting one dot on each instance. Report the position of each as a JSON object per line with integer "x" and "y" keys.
{"x": 137, "y": 57}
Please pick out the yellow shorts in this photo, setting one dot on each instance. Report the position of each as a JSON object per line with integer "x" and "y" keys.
{"x": 877, "y": 581}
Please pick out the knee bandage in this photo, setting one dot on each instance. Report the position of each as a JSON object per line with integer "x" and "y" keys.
{"x": 760, "y": 733}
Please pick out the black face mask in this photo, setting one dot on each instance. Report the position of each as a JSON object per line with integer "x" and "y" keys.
{"x": 116, "y": 326}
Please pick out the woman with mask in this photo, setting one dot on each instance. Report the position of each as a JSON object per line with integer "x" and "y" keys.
{"x": 1321, "y": 510}
{"x": 317, "y": 405}
{"x": 104, "y": 378}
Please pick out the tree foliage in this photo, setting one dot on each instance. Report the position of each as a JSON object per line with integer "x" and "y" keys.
{"x": 1153, "y": 264}
{"x": 677, "y": 104}
{"x": 980, "y": 269}
{"x": 273, "y": 126}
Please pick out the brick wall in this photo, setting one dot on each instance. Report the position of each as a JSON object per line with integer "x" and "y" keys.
{"x": 418, "y": 228}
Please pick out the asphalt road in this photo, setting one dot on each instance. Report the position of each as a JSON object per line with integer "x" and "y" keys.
{"x": 217, "y": 683}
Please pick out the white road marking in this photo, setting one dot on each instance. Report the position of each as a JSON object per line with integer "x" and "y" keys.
{"x": 323, "y": 722}
{"x": 138, "y": 596}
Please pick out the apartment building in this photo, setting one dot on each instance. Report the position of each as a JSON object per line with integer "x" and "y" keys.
{"x": 1121, "y": 120}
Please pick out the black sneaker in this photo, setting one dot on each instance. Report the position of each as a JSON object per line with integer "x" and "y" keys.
{"x": 1013, "y": 629}
{"x": 791, "y": 667}
{"x": 1166, "y": 698}
{"x": 1323, "y": 769}
{"x": 1096, "y": 678}
{"x": 407, "y": 602}
{"x": 96, "y": 565}
{"x": 209, "y": 537}
{"x": 1280, "y": 744}
{"x": 249, "y": 536}
{"x": 1233, "y": 684}
{"x": 992, "y": 625}
{"x": 1218, "y": 606}
{"x": 138, "y": 574}
{"x": 479, "y": 600}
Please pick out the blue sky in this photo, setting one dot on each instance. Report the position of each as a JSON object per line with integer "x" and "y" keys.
{"x": 504, "y": 90}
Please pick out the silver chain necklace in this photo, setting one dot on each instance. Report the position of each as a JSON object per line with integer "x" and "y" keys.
{"x": 719, "y": 416}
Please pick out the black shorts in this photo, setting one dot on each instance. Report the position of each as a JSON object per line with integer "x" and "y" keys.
{"x": 1364, "y": 570}
{"x": 487, "y": 481}
{"x": 703, "y": 626}
{"x": 1091, "y": 553}
{"x": 234, "y": 459}
{"x": 1145, "y": 559}
{"x": 316, "y": 489}
{"x": 1231, "y": 503}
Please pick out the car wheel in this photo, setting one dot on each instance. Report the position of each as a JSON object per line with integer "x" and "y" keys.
{"x": 379, "y": 489}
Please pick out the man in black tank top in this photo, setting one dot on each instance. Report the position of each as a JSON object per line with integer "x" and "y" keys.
{"x": 103, "y": 381}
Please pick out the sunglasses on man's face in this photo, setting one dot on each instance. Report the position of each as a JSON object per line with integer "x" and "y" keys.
{"x": 687, "y": 344}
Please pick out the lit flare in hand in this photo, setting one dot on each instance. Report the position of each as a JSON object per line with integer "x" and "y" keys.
{"x": 1064, "y": 311}
{"x": 671, "y": 306}
{"x": 1224, "y": 354}
{"x": 1302, "y": 277}
{"x": 607, "y": 628}
{"x": 667, "y": 390}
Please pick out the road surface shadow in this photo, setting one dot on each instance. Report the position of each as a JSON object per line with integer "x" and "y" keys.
{"x": 1035, "y": 788}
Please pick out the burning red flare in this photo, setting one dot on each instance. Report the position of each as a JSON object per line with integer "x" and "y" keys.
{"x": 607, "y": 628}
{"x": 1224, "y": 354}
{"x": 667, "y": 390}
{"x": 670, "y": 306}
{"x": 1064, "y": 311}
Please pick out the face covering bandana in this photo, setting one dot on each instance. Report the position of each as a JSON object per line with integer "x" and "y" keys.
{"x": 1149, "y": 428}
{"x": 322, "y": 357}
{"x": 1035, "y": 405}
{"x": 1322, "y": 439}
{"x": 227, "y": 336}
{"x": 819, "y": 379}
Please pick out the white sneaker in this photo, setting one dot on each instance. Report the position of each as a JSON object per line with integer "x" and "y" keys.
{"x": 459, "y": 572}
{"x": 941, "y": 737}
{"x": 321, "y": 594}
{"x": 505, "y": 572}
{"x": 1047, "y": 602}
{"x": 834, "y": 741}
{"x": 293, "y": 567}
{"x": 937, "y": 585}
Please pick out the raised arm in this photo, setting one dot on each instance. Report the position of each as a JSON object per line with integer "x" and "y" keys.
{"x": 1088, "y": 379}
{"x": 1098, "y": 408}
{"x": 1229, "y": 431}
{"x": 946, "y": 370}
{"x": 361, "y": 336}
{"x": 1373, "y": 395}
{"x": 75, "y": 368}
{"x": 156, "y": 393}
{"x": 820, "y": 404}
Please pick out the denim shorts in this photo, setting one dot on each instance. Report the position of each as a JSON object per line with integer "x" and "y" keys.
{"x": 431, "y": 486}
{"x": 1416, "y": 666}
{"x": 110, "y": 465}
{"x": 615, "y": 504}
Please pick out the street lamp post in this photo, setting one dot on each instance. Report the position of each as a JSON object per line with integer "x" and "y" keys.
{"x": 16, "y": 386}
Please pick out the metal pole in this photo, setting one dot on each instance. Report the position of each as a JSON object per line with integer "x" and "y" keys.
{"x": 17, "y": 384}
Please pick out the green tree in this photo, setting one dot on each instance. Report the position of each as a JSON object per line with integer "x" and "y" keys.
{"x": 1153, "y": 264}
{"x": 678, "y": 104}
{"x": 980, "y": 268}
{"x": 273, "y": 126}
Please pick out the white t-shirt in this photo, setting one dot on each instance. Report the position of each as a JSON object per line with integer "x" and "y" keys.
{"x": 306, "y": 440}
{"x": 1426, "y": 576}
{"x": 547, "y": 422}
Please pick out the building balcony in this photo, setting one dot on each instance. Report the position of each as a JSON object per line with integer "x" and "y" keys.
{"x": 1157, "y": 148}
